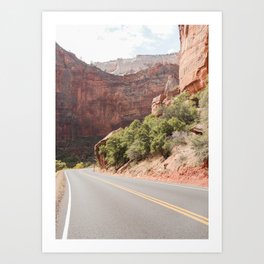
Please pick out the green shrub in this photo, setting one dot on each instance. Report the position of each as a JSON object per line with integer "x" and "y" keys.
{"x": 200, "y": 146}
{"x": 140, "y": 147}
{"x": 115, "y": 150}
{"x": 158, "y": 135}
{"x": 183, "y": 109}
{"x": 176, "y": 124}
{"x": 103, "y": 150}
{"x": 167, "y": 148}
{"x": 200, "y": 142}
{"x": 60, "y": 165}
{"x": 129, "y": 133}
{"x": 79, "y": 165}
{"x": 136, "y": 151}
{"x": 157, "y": 143}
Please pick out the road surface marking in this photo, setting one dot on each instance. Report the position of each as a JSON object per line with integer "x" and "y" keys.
{"x": 160, "y": 182}
{"x": 67, "y": 219}
{"x": 175, "y": 208}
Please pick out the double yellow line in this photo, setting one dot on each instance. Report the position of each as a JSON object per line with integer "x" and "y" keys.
{"x": 185, "y": 212}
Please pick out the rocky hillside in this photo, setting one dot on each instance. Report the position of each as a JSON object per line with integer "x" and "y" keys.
{"x": 91, "y": 102}
{"x": 172, "y": 143}
{"x": 139, "y": 63}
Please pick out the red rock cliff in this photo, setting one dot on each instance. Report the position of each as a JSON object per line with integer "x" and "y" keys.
{"x": 91, "y": 102}
{"x": 193, "y": 66}
{"x": 193, "y": 57}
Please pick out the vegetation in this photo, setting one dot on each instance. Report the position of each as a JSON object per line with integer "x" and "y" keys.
{"x": 79, "y": 165}
{"x": 200, "y": 142}
{"x": 200, "y": 146}
{"x": 183, "y": 109}
{"x": 60, "y": 165}
{"x": 158, "y": 135}
{"x": 73, "y": 153}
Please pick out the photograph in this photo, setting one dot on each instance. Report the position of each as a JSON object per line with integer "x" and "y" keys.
{"x": 130, "y": 125}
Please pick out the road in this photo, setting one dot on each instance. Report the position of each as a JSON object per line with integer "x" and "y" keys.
{"x": 99, "y": 206}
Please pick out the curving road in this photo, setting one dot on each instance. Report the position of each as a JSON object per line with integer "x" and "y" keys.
{"x": 98, "y": 206}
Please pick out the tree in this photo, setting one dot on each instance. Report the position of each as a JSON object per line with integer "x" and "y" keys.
{"x": 183, "y": 109}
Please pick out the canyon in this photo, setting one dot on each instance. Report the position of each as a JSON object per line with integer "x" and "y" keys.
{"x": 90, "y": 102}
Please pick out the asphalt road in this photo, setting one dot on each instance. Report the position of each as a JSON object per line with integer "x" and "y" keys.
{"x": 98, "y": 206}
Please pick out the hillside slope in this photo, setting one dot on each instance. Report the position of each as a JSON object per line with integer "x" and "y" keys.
{"x": 172, "y": 143}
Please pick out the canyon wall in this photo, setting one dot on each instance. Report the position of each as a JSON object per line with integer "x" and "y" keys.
{"x": 193, "y": 63}
{"x": 139, "y": 63}
{"x": 193, "y": 66}
{"x": 91, "y": 102}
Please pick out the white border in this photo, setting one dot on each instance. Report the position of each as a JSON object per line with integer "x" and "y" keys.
{"x": 49, "y": 22}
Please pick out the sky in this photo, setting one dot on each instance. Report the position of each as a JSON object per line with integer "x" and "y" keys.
{"x": 92, "y": 43}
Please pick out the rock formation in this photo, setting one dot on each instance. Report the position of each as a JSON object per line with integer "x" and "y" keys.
{"x": 193, "y": 57}
{"x": 164, "y": 99}
{"x": 134, "y": 65}
{"x": 193, "y": 66}
{"x": 91, "y": 102}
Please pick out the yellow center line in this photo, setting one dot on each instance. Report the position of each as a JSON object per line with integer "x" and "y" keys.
{"x": 175, "y": 208}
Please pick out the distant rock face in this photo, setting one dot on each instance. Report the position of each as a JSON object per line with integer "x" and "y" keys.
{"x": 91, "y": 102}
{"x": 194, "y": 57}
{"x": 134, "y": 65}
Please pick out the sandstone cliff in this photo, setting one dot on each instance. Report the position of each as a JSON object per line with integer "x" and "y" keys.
{"x": 91, "y": 102}
{"x": 193, "y": 66}
{"x": 193, "y": 70}
{"x": 139, "y": 63}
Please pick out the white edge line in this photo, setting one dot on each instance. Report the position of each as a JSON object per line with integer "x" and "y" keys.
{"x": 67, "y": 219}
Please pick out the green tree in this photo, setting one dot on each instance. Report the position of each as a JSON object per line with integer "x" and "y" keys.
{"x": 115, "y": 154}
{"x": 183, "y": 109}
{"x": 140, "y": 148}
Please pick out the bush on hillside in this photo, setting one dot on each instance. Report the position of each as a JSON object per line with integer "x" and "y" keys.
{"x": 200, "y": 142}
{"x": 167, "y": 148}
{"x": 115, "y": 150}
{"x": 200, "y": 146}
{"x": 183, "y": 108}
{"x": 79, "y": 165}
{"x": 60, "y": 165}
{"x": 158, "y": 135}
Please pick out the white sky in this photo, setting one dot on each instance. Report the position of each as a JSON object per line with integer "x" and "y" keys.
{"x": 103, "y": 43}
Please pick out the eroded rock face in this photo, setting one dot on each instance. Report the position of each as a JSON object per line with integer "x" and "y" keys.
{"x": 164, "y": 99}
{"x": 91, "y": 102}
{"x": 194, "y": 57}
{"x": 156, "y": 105}
{"x": 139, "y": 63}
